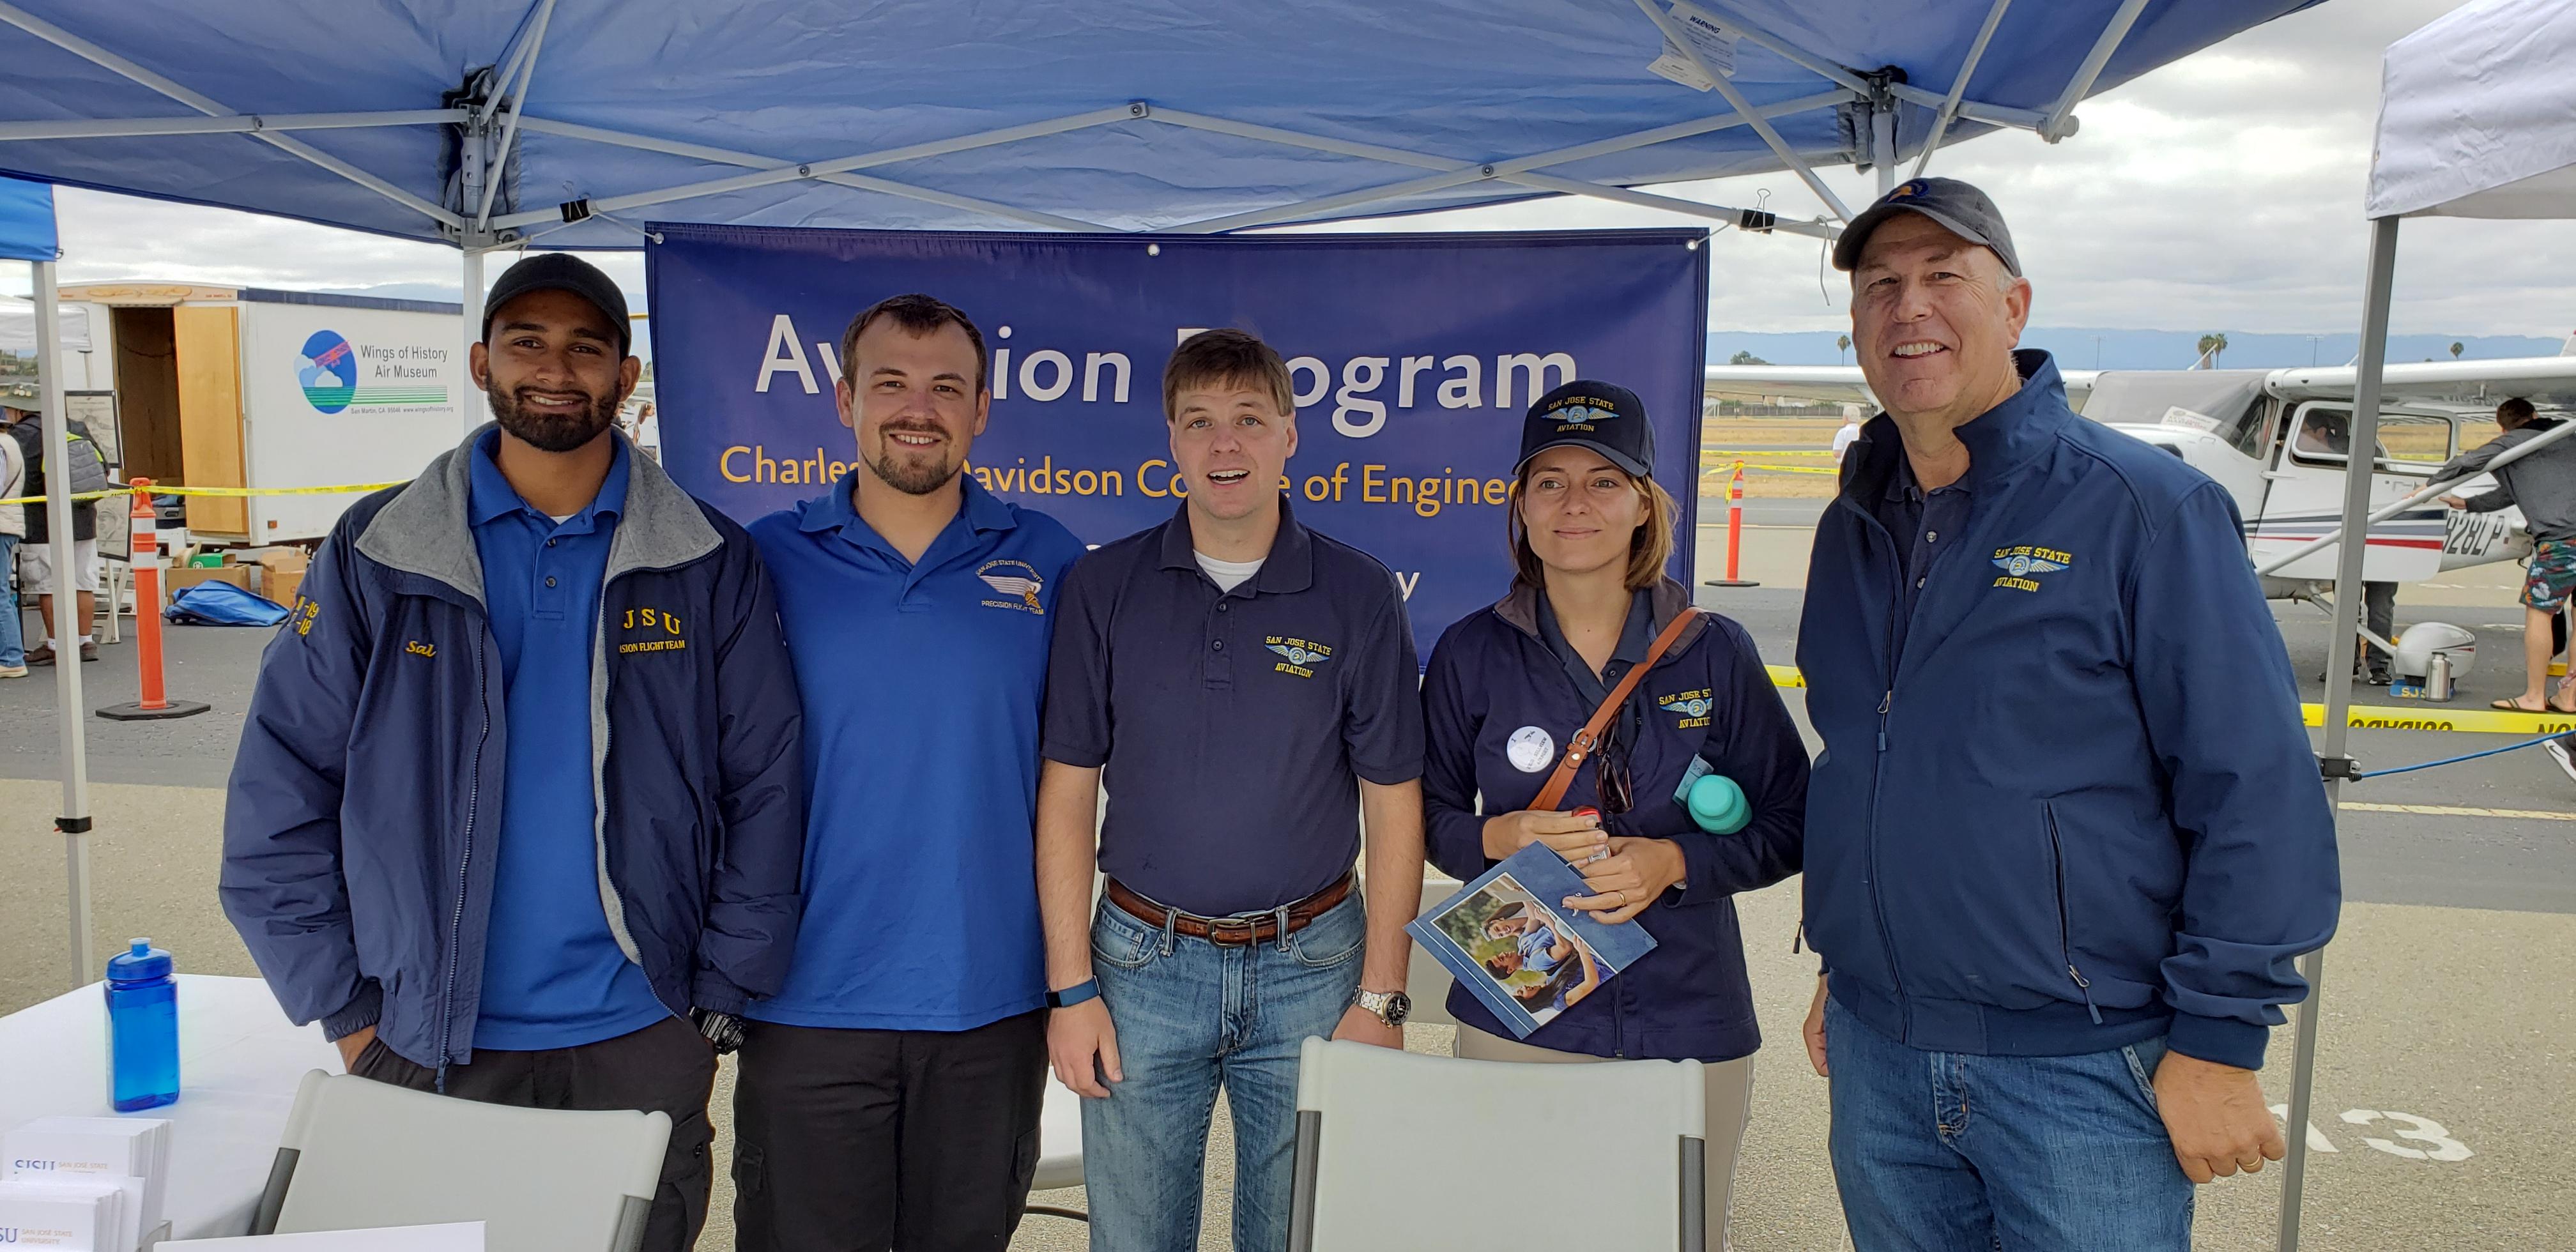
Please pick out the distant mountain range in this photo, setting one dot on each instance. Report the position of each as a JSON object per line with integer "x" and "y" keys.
{"x": 2086, "y": 347}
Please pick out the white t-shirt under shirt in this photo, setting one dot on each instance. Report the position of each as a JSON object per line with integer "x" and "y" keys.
{"x": 1227, "y": 575}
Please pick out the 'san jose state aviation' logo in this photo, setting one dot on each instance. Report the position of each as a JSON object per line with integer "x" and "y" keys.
{"x": 329, "y": 367}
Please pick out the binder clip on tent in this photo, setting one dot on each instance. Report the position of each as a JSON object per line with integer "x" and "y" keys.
{"x": 153, "y": 705}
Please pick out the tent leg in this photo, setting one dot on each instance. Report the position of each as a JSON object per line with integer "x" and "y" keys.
{"x": 1882, "y": 144}
{"x": 2356, "y": 512}
{"x": 74, "y": 823}
{"x": 469, "y": 406}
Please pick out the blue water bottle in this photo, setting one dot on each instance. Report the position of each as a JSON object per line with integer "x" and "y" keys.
{"x": 142, "y": 1029}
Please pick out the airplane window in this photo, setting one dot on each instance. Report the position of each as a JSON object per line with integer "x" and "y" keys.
{"x": 2326, "y": 435}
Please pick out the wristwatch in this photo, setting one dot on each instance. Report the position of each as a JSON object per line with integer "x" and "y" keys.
{"x": 1391, "y": 1007}
{"x": 724, "y": 1030}
{"x": 1087, "y": 989}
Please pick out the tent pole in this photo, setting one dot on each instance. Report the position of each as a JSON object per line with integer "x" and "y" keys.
{"x": 232, "y": 124}
{"x": 788, "y": 172}
{"x": 470, "y": 307}
{"x": 1752, "y": 116}
{"x": 74, "y": 823}
{"x": 2357, "y": 473}
{"x": 1882, "y": 143}
{"x": 2056, "y": 127}
{"x": 1959, "y": 86}
{"x": 518, "y": 105}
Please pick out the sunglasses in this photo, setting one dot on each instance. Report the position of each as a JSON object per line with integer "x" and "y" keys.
{"x": 1610, "y": 764}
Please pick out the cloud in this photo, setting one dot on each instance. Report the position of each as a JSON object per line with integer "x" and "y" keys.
{"x": 2222, "y": 191}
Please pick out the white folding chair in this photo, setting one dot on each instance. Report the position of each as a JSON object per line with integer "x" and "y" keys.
{"x": 1059, "y": 1149}
{"x": 1401, "y": 1150}
{"x": 359, "y": 1154}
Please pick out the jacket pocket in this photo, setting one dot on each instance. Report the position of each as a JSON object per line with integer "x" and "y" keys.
{"x": 2065, "y": 930}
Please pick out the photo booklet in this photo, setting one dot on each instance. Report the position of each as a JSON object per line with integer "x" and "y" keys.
{"x": 1508, "y": 938}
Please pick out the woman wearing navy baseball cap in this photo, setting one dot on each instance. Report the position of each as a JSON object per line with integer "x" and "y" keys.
{"x": 1697, "y": 787}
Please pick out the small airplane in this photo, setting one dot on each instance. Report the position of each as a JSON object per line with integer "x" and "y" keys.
{"x": 2277, "y": 439}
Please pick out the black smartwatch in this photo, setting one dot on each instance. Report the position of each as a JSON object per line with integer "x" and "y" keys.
{"x": 723, "y": 1030}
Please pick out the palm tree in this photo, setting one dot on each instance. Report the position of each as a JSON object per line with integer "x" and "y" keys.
{"x": 2211, "y": 346}
{"x": 2455, "y": 350}
{"x": 1842, "y": 344}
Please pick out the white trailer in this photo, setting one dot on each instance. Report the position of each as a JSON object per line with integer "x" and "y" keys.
{"x": 248, "y": 387}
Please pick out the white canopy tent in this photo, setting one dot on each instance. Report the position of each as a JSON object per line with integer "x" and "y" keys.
{"x": 18, "y": 329}
{"x": 2477, "y": 118}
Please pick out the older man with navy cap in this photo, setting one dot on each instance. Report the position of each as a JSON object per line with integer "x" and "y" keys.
{"x": 2067, "y": 837}
{"x": 518, "y": 813}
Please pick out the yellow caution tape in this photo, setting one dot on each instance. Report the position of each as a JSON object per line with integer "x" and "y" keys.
{"x": 1722, "y": 467}
{"x": 2439, "y": 717}
{"x": 2372, "y": 716}
{"x": 2453, "y": 810}
{"x": 161, "y": 489}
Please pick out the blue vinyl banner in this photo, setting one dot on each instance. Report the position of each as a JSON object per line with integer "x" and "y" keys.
{"x": 27, "y": 221}
{"x": 1413, "y": 356}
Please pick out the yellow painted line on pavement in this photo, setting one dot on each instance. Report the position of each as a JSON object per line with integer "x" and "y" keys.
{"x": 2453, "y": 810}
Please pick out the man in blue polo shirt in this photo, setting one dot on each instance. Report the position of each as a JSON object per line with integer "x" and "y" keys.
{"x": 1245, "y": 686}
{"x": 889, "y": 1095}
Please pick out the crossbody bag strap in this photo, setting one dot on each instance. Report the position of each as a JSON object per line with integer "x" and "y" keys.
{"x": 1580, "y": 749}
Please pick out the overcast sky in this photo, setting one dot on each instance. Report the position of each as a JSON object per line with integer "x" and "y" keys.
{"x": 2220, "y": 192}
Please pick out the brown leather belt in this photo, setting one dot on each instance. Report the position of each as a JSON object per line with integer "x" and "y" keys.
{"x": 1230, "y": 932}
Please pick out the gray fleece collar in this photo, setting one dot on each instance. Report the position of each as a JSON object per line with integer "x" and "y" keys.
{"x": 423, "y": 529}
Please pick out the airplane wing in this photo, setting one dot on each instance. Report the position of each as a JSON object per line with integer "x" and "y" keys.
{"x": 2546, "y": 381}
{"x": 1830, "y": 384}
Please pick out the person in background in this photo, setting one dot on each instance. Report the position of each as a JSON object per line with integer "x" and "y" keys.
{"x": 1245, "y": 688}
{"x": 1850, "y": 430}
{"x": 1591, "y": 605}
{"x": 2543, "y": 486}
{"x": 13, "y": 528}
{"x": 36, "y": 575}
{"x": 888, "y": 1096}
{"x": 518, "y": 810}
{"x": 2067, "y": 836}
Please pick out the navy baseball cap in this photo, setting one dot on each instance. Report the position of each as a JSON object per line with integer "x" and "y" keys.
{"x": 1605, "y": 417}
{"x": 1960, "y": 209}
{"x": 557, "y": 271}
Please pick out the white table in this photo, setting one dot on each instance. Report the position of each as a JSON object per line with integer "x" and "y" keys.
{"x": 239, "y": 1063}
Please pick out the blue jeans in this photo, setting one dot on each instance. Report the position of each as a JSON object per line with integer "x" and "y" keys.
{"x": 1948, "y": 1152}
{"x": 13, "y": 649}
{"x": 1192, "y": 1016}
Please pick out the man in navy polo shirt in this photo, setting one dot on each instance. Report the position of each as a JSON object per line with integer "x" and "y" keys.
{"x": 1246, "y": 686}
{"x": 889, "y": 1095}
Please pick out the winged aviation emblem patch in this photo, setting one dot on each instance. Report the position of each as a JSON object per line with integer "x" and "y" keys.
{"x": 2022, "y": 565}
{"x": 1016, "y": 581}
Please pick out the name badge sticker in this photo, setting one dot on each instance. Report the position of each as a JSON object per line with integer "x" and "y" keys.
{"x": 1530, "y": 749}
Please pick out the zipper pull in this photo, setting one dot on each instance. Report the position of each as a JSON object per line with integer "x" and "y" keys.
{"x": 1798, "y": 942}
{"x": 2087, "y": 989}
{"x": 1884, "y": 703}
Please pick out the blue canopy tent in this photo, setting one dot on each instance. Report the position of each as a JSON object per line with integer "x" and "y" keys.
{"x": 567, "y": 123}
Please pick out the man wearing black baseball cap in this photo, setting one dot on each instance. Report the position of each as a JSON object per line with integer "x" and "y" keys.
{"x": 2066, "y": 837}
{"x": 430, "y": 845}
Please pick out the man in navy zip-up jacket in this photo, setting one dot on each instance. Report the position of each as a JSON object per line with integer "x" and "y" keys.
{"x": 2067, "y": 835}
{"x": 520, "y": 792}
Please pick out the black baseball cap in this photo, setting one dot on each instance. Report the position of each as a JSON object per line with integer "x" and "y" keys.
{"x": 1960, "y": 208}
{"x": 1605, "y": 417}
{"x": 557, "y": 271}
